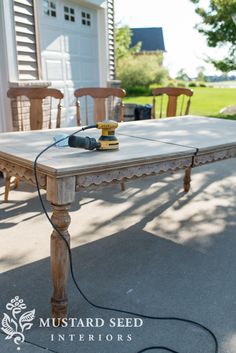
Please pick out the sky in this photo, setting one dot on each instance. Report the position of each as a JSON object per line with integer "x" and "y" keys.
{"x": 185, "y": 47}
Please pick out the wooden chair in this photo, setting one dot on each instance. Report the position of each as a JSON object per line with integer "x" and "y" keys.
{"x": 173, "y": 94}
{"x": 103, "y": 104}
{"x": 31, "y": 114}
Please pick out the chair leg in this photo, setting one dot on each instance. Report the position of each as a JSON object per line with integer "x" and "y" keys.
{"x": 7, "y": 187}
{"x": 16, "y": 182}
{"x": 122, "y": 186}
{"x": 187, "y": 179}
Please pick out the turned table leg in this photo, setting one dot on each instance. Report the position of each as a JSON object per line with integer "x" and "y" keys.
{"x": 60, "y": 260}
{"x": 61, "y": 193}
{"x": 187, "y": 179}
{"x": 122, "y": 186}
{"x": 7, "y": 187}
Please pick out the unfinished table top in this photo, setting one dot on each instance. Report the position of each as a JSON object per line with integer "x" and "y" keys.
{"x": 23, "y": 147}
{"x": 139, "y": 142}
{"x": 194, "y": 131}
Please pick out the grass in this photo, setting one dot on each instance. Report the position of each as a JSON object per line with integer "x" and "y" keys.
{"x": 205, "y": 101}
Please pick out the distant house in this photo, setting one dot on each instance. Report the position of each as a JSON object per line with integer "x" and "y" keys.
{"x": 59, "y": 43}
{"x": 151, "y": 38}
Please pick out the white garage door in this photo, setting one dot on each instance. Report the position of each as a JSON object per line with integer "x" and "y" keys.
{"x": 69, "y": 45}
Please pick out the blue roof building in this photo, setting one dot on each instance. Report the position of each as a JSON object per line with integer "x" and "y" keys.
{"x": 151, "y": 38}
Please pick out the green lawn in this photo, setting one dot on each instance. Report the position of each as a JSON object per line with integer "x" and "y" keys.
{"x": 205, "y": 101}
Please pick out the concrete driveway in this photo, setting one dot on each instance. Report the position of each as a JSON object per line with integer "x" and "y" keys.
{"x": 150, "y": 249}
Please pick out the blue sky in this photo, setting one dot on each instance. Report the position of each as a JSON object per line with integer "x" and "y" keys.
{"x": 186, "y": 48}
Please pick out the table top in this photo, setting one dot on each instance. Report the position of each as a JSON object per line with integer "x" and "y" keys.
{"x": 201, "y": 133}
{"x": 139, "y": 141}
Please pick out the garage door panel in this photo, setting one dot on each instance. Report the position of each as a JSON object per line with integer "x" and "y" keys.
{"x": 72, "y": 44}
{"x": 71, "y": 100}
{"x": 88, "y": 21}
{"x": 51, "y": 41}
{"x": 54, "y": 70}
{"x": 77, "y": 70}
{"x": 81, "y": 45}
{"x": 69, "y": 113}
{"x": 72, "y": 70}
{"x": 84, "y": 114}
{"x": 88, "y": 71}
{"x": 88, "y": 46}
{"x": 68, "y": 117}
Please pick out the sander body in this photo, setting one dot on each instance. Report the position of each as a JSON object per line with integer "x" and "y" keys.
{"x": 106, "y": 142}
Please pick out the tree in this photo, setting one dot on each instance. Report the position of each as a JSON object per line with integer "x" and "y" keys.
{"x": 218, "y": 27}
{"x": 123, "y": 42}
{"x": 201, "y": 73}
{"x": 136, "y": 70}
{"x": 182, "y": 75}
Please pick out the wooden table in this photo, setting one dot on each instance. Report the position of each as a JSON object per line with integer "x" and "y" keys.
{"x": 146, "y": 148}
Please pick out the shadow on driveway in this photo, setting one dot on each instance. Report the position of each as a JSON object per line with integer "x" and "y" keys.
{"x": 158, "y": 253}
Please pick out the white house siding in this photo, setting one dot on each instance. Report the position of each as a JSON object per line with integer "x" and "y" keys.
{"x": 111, "y": 38}
{"x": 5, "y": 112}
{"x": 8, "y": 63}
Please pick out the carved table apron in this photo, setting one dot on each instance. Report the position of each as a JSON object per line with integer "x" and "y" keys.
{"x": 146, "y": 148}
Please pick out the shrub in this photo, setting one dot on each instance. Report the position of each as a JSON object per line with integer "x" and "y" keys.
{"x": 192, "y": 84}
{"x": 155, "y": 85}
{"x": 171, "y": 83}
{"x": 181, "y": 84}
{"x": 138, "y": 91}
{"x": 140, "y": 70}
{"x": 202, "y": 84}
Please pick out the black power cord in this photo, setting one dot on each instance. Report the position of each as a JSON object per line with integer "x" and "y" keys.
{"x": 169, "y": 318}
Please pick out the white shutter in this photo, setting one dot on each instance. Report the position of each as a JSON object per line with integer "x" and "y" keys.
{"x": 111, "y": 38}
{"x": 25, "y": 39}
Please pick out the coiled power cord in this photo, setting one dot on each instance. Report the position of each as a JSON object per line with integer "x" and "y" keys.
{"x": 132, "y": 313}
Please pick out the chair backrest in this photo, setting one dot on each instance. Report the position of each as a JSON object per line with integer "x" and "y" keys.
{"x": 173, "y": 94}
{"x": 104, "y": 103}
{"x": 35, "y": 110}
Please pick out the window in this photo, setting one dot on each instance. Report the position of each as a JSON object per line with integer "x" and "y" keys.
{"x": 69, "y": 14}
{"x": 49, "y": 8}
{"x": 86, "y": 18}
